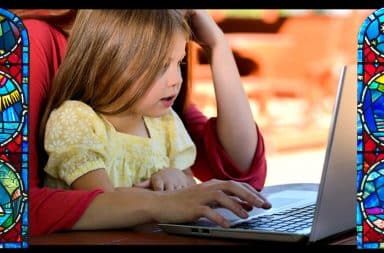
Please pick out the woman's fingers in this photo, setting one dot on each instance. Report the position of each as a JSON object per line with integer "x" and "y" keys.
{"x": 247, "y": 207}
{"x": 228, "y": 202}
{"x": 214, "y": 216}
{"x": 239, "y": 190}
{"x": 201, "y": 199}
{"x": 266, "y": 204}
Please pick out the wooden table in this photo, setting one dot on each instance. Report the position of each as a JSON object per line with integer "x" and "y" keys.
{"x": 151, "y": 234}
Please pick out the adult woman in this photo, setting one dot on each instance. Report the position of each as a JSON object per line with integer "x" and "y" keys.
{"x": 218, "y": 156}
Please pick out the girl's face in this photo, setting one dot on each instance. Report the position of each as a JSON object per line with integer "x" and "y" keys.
{"x": 161, "y": 96}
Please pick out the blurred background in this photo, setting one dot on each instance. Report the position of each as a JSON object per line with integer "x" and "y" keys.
{"x": 289, "y": 61}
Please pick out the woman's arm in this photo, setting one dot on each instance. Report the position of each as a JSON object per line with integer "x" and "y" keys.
{"x": 129, "y": 206}
{"x": 54, "y": 210}
{"x": 50, "y": 210}
{"x": 133, "y": 206}
{"x": 236, "y": 128}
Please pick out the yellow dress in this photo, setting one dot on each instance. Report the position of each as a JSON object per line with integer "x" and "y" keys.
{"x": 78, "y": 140}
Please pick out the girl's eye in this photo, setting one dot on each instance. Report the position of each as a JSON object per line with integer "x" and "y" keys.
{"x": 167, "y": 64}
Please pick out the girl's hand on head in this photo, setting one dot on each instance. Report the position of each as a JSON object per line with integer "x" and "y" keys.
{"x": 205, "y": 31}
{"x": 199, "y": 200}
{"x": 169, "y": 179}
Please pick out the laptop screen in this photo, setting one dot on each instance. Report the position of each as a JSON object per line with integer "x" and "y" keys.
{"x": 337, "y": 196}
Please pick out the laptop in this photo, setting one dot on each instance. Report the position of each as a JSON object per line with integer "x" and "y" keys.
{"x": 325, "y": 210}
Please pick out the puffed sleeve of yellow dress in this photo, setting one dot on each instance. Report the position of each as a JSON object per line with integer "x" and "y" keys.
{"x": 75, "y": 140}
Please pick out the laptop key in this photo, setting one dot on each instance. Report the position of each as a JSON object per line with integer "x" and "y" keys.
{"x": 291, "y": 220}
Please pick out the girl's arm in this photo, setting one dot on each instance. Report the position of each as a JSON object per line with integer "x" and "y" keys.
{"x": 212, "y": 160}
{"x": 236, "y": 128}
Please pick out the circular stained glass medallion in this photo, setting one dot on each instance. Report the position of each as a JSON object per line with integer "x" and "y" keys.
{"x": 12, "y": 108}
{"x": 11, "y": 197}
{"x": 9, "y": 36}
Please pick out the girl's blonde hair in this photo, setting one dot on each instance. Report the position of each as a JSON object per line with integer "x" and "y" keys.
{"x": 108, "y": 51}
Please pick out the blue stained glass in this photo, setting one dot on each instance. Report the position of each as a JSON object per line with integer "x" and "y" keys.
{"x": 371, "y": 201}
{"x": 358, "y": 213}
{"x": 11, "y": 108}
{"x": 371, "y": 245}
{"x": 24, "y": 174}
{"x": 5, "y": 27}
{"x": 25, "y": 218}
{"x": 360, "y": 70}
{"x": 359, "y": 161}
{"x": 12, "y": 245}
{"x": 25, "y": 57}
{"x": 368, "y": 188}
{"x": 373, "y": 176}
{"x": 380, "y": 193}
{"x": 9, "y": 37}
{"x": 373, "y": 30}
{"x": 25, "y": 129}
{"x": 359, "y": 94}
{"x": 379, "y": 13}
{"x": 25, "y": 146}
{"x": 377, "y": 97}
{"x": 368, "y": 112}
{"x": 13, "y": 119}
{"x": 11, "y": 200}
{"x": 360, "y": 54}
{"x": 359, "y": 144}
{"x": 379, "y": 182}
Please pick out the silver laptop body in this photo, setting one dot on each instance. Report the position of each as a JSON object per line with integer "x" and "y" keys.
{"x": 333, "y": 200}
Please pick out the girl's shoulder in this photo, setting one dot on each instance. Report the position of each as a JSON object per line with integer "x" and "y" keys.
{"x": 73, "y": 118}
{"x": 77, "y": 110}
{"x": 75, "y": 105}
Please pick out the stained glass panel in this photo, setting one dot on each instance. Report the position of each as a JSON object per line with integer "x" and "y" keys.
{"x": 14, "y": 79}
{"x": 370, "y": 133}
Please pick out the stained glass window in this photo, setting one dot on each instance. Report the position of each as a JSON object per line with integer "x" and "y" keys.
{"x": 14, "y": 79}
{"x": 370, "y": 133}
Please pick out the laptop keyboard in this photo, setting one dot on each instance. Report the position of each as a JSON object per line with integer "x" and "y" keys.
{"x": 290, "y": 220}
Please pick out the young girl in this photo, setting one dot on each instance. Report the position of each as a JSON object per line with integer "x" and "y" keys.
{"x": 111, "y": 122}
{"x": 225, "y": 149}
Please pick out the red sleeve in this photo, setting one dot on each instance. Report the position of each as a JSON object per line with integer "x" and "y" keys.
{"x": 50, "y": 209}
{"x": 212, "y": 160}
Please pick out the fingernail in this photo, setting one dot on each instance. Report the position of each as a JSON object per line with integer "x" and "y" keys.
{"x": 259, "y": 203}
{"x": 267, "y": 205}
{"x": 244, "y": 213}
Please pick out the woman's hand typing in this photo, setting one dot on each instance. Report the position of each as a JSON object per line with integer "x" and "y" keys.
{"x": 198, "y": 200}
